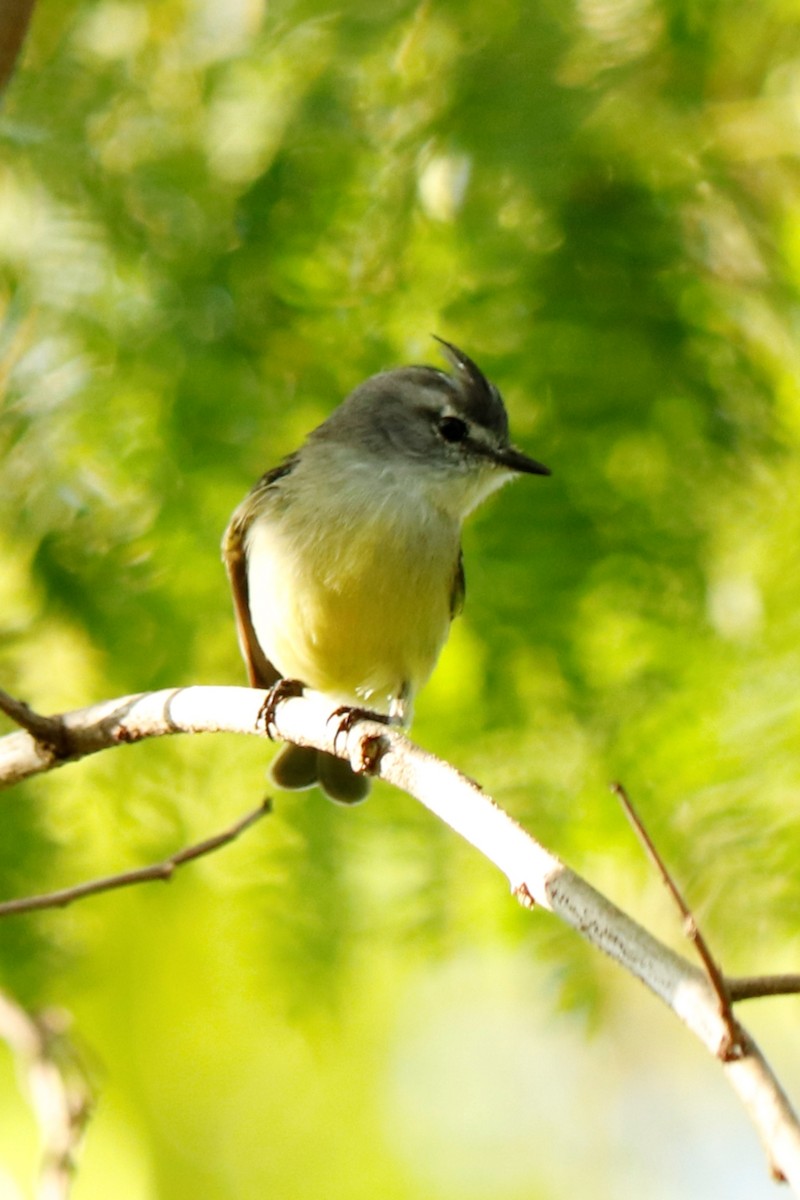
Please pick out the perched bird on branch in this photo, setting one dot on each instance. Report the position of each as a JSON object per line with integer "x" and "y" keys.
{"x": 345, "y": 560}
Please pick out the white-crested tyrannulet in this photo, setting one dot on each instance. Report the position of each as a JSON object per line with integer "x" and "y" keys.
{"x": 345, "y": 560}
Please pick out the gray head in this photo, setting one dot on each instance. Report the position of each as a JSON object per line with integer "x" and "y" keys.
{"x": 446, "y": 425}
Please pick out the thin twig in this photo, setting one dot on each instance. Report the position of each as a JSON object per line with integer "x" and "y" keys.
{"x": 24, "y": 716}
{"x": 49, "y": 732}
{"x": 690, "y": 927}
{"x": 752, "y": 987}
{"x": 160, "y": 871}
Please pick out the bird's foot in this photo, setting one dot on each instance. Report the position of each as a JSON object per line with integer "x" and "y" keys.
{"x": 283, "y": 689}
{"x": 346, "y": 717}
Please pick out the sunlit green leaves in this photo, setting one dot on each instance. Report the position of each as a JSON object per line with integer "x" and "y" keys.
{"x": 214, "y": 221}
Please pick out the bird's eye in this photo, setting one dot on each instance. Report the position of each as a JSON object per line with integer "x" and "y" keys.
{"x": 453, "y": 429}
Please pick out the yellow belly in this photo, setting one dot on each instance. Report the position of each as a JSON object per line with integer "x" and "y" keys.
{"x": 361, "y": 618}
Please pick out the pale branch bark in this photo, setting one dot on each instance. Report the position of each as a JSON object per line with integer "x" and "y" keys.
{"x": 536, "y": 876}
{"x": 58, "y": 1088}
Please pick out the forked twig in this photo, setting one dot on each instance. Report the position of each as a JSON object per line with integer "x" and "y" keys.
{"x": 49, "y": 732}
{"x": 690, "y": 927}
{"x": 729, "y": 989}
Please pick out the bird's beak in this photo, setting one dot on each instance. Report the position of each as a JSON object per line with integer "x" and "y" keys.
{"x": 514, "y": 460}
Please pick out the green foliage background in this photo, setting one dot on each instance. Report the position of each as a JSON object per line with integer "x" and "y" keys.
{"x": 214, "y": 221}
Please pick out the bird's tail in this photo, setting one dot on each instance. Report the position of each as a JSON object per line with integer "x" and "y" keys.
{"x": 298, "y": 767}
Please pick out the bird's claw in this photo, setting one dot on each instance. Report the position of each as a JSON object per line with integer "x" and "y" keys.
{"x": 283, "y": 689}
{"x": 346, "y": 716}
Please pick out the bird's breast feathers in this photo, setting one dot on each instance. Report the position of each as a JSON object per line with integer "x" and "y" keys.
{"x": 353, "y": 598}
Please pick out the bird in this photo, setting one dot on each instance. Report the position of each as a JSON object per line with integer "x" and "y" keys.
{"x": 345, "y": 559}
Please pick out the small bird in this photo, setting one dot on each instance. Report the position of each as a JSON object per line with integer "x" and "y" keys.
{"x": 345, "y": 560}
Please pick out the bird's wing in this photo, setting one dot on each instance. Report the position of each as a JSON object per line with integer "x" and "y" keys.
{"x": 260, "y": 670}
{"x": 458, "y": 588}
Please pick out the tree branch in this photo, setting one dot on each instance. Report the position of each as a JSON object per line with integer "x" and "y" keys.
{"x": 536, "y": 876}
{"x": 59, "y": 1089}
